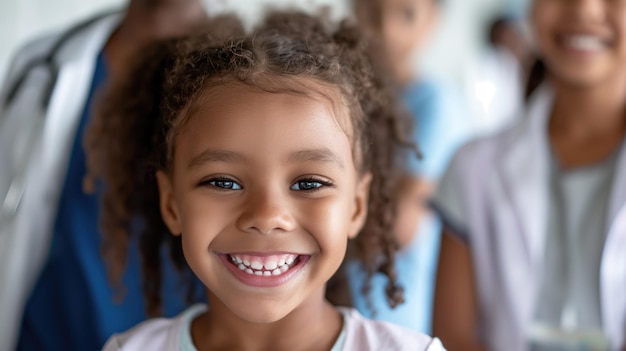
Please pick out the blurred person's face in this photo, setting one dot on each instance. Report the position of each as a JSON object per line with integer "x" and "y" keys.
{"x": 405, "y": 25}
{"x": 581, "y": 41}
{"x": 511, "y": 39}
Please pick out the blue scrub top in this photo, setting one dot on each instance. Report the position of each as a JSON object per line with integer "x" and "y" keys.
{"x": 72, "y": 306}
{"x": 442, "y": 125}
{"x": 416, "y": 266}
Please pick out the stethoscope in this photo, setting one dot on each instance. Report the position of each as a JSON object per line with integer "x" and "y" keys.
{"x": 11, "y": 199}
{"x": 48, "y": 62}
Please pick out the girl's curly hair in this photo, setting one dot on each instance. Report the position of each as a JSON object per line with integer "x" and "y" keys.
{"x": 130, "y": 136}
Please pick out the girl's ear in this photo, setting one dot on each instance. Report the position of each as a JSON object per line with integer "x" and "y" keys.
{"x": 361, "y": 198}
{"x": 169, "y": 208}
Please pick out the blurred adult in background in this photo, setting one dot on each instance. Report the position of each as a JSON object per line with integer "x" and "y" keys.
{"x": 506, "y": 34}
{"x": 54, "y": 293}
{"x": 404, "y": 26}
{"x": 498, "y": 79}
{"x": 533, "y": 256}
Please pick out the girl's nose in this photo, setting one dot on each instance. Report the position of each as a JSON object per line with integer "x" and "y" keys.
{"x": 266, "y": 213}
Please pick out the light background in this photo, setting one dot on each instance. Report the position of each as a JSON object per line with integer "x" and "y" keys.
{"x": 453, "y": 50}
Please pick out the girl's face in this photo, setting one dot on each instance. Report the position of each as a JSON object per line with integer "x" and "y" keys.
{"x": 265, "y": 193}
{"x": 582, "y": 41}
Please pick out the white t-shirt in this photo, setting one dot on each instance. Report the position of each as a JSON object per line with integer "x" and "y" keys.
{"x": 358, "y": 333}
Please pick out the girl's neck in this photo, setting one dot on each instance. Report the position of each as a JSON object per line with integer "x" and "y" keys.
{"x": 587, "y": 123}
{"x": 147, "y": 21}
{"x": 315, "y": 325}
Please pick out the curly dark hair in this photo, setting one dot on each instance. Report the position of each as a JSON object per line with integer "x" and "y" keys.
{"x": 130, "y": 136}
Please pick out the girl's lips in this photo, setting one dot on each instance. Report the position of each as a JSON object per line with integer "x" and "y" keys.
{"x": 265, "y": 271}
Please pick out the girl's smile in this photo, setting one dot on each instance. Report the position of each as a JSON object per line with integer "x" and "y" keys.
{"x": 264, "y": 271}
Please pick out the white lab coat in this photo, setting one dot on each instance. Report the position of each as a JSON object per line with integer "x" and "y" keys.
{"x": 25, "y": 233}
{"x": 496, "y": 191}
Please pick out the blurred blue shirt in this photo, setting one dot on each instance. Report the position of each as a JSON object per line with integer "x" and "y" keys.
{"x": 416, "y": 265}
{"x": 441, "y": 126}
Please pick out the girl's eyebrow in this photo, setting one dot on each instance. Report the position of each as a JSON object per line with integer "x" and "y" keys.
{"x": 310, "y": 155}
{"x": 317, "y": 155}
{"x": 215, "y": 156}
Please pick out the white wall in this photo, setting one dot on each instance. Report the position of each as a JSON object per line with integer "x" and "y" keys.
{"x": 250, "y": 10}
{"x": 21, "y": 20}
{"x": 459, "y": 39}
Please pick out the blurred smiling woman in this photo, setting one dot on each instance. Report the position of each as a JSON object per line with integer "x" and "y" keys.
{"x": 534, "y": 251}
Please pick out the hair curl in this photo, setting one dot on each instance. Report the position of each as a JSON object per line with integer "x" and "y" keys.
{"x": 130, "y": 136}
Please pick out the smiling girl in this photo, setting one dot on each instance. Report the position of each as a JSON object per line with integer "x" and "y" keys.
{"x": 255, "y": 160}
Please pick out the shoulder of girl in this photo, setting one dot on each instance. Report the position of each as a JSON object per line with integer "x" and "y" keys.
{"x": 153, "y": 334}
{"x": 366, "y": 334}
{"x": 156, "y": 333}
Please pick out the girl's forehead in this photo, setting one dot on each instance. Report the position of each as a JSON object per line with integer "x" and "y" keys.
{"x": 238, "y": 116}
{"x": 302, "y": 90}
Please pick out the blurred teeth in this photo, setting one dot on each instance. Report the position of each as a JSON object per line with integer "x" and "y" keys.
{"x": 585, "y": 42}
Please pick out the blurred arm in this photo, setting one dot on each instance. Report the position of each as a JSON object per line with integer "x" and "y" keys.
{"x": 413, "y": 195}
{"x": 456, "y": 312}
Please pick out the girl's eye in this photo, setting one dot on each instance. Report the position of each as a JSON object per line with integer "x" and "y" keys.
{"x": 309, "y": 184}
{"x": 225, "y": 184}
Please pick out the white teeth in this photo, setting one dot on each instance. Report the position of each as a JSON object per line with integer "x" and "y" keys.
{"x": 585, "y": 42}
{"x": 270, "y": 268}
{"x": 270, "y": 265}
